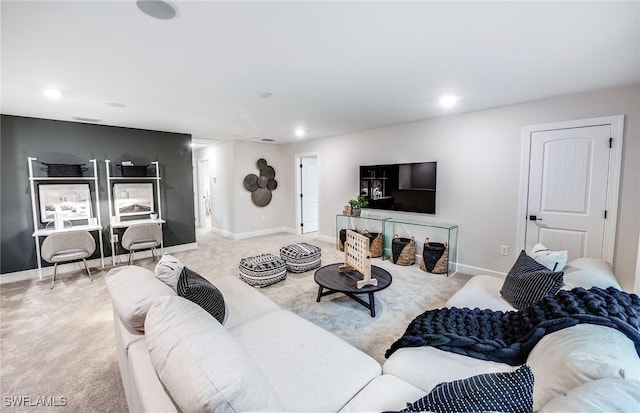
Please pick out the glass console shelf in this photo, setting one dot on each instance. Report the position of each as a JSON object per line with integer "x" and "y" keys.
{"x": 406, "y": 228}
{"x": 359, "y": 224}
{"x": 421, "y": 230}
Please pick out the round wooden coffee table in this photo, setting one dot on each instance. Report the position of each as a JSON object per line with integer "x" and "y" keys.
{"x": 329, "y": 278}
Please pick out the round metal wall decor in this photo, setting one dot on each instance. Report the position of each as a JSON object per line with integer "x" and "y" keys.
{"x": 261, "y": 186}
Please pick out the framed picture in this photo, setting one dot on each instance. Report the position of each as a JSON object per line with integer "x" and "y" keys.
{"x": 133, "y": 199}
{"x": 73, "y": 201}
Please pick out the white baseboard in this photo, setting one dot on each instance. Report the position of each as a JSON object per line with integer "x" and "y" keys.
{"x": 327, "y": 238}
{"x": 93, "y": 263}
{"x": 471, "y": 270}
{"x": 244, "y": 235}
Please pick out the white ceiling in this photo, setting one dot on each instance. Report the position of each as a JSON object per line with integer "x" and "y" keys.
{"x": 331, "y": 67}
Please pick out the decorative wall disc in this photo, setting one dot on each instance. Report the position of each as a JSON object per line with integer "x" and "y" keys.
{"x": 261, "y": 187}
{"x": 268, "y": 171}
{"x": 261, "y": 197}
{"x": 251, "y": 182}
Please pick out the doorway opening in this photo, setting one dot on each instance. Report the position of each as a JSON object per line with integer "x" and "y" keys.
{"x": 203, "y": 191}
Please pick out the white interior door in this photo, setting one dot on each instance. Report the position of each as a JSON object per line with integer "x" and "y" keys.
{"x": 567, "y": 199}
{"x": 309, "y": 193}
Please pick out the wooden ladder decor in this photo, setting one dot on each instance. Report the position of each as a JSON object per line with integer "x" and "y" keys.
{"x": 358, "y": 257}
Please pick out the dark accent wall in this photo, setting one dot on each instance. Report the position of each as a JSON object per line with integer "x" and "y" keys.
{"x": 69, "y": 142}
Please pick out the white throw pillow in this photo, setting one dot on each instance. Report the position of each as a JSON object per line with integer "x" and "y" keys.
{"x": 168, "y": 270}
{"x": 589, "y": 272}
{"x": 201, "y": 365}
{"x": 570, "y": 357}
{"x": 133, "y": 290}
{"x": 553, "y": 260}
{"x": 604, "y": 395}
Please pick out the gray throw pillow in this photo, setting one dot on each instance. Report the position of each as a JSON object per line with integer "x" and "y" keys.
{"x": 197, "y": 289}
{"x": 528, "y": 281}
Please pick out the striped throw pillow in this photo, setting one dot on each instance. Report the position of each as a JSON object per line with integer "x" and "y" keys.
{"x": 495, "y": 392}
{"x": 197, "y": 289}
{"x": 528, "y": 281}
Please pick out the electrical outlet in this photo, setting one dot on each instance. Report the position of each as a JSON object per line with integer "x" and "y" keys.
{"x": 504, "y": 250}
{"x": 114, "y": 238}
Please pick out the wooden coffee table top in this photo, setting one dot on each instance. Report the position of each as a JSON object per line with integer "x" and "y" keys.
{"x": 329, "y": 277}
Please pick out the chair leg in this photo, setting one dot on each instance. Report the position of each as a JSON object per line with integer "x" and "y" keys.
{"x": 130, "y": 257}
{"x": 87, "y": 267}
{"x": 55, "y": 267}
{"x": 153, "y": 252}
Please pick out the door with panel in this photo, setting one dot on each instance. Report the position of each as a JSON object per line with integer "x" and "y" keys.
{"x": 309, "y": 193}
{"x": 567, "y": 198}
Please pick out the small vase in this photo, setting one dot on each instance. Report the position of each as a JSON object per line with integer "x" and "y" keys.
{"x": 355, "y": 212}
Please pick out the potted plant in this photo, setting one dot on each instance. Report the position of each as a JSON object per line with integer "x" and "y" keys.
{"x": 357, "y": 204}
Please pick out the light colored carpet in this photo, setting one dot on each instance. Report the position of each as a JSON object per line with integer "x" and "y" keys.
{"x": 60, "y": 342}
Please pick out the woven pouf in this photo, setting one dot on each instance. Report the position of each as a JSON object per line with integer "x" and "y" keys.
{"x": 262, "y": 270}
{"x": 301, "y": 257}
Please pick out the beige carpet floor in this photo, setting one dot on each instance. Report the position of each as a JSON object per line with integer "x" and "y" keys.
{"x": 58, "y": 345}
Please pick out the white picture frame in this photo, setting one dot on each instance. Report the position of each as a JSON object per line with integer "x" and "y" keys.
{"x": 73, "y": 201}
{"x": 133, "y": 199}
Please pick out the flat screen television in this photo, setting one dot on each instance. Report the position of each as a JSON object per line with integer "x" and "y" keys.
{"x": 409, "y": 187}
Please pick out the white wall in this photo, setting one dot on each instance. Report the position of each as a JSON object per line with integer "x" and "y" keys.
{"x": 478, "y": 158}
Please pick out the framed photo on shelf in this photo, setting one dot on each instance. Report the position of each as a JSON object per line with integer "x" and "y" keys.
{"x": 73, "y": 201}
{"x": 133, "y": 199}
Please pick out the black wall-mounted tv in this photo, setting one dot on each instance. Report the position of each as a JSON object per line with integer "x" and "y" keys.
{"x": 409, "y": 187}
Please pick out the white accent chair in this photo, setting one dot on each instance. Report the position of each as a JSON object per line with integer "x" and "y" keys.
{"x": 68, "y": 246}
{"x": 142, "y": 237}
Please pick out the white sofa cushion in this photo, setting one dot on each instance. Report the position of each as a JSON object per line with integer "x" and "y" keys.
{"x": 589, "y": 272}
{"x": 243, "y": 302}
{"x": 168, "y": 270}
{"x": 202, "y": 367}
{"x": 384, "y": 393}
{"x": 604, "y": 395}
{"x": 426, "y": 367}
{"x": 575, "y": 355}
{"x": 553, "y": 260}
{"x": 481, "y": 291}
{"x": 314, "y": 369}
{"x": 133, "y": 289}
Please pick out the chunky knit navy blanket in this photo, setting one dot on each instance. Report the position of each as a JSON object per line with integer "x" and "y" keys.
{"x": 509, "y": 336}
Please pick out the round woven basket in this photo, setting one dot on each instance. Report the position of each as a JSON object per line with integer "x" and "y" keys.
{"x": 403, "y": 250}
{"x": 435, "y": 257}
{"x": 375, "y": 243}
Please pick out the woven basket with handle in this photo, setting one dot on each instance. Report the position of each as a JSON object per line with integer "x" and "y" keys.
{"x": 375, "y": 243}
{"x": 435, "y": 257}
{"x": 403, "y": 250}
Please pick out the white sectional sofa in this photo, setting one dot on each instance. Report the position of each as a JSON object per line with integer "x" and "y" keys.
{"x": 174, "y": 356}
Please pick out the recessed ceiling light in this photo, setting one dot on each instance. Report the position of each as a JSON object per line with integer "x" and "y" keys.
{"x": 448, "y": 101}
{"x": 265, "y": 95}
{"x": 300, "y": 132}
{"x": 268, "y": 140}
{"x": 157, "y": 9}
{"x": 52, "y": 93}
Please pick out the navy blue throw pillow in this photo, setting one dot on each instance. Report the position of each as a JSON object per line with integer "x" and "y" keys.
{"x": 197, "y": 289}
{"x": 494, "y": 392}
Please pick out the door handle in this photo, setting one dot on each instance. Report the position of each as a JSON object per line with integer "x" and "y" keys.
{"x": 534, "y": 218}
